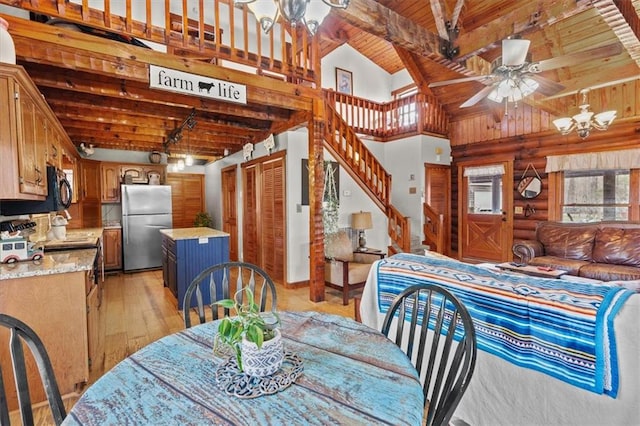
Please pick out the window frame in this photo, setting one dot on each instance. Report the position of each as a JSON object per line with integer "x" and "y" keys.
{"x": 556, "y": 195}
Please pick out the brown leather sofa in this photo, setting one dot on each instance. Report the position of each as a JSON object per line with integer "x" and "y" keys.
{"x": 604, "y": 251}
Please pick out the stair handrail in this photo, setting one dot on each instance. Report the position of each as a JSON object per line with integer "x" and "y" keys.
{"x": 399, "y": 228}
{"x": 345, "y": 145}
{"x": 433, "y": 229}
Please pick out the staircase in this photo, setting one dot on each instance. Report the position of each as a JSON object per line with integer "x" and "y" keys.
{"x": 343, "y": 143}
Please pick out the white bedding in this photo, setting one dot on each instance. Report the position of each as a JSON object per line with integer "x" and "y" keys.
{"x": 501, "y": 393}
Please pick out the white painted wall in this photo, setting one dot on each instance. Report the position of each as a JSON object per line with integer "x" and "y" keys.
{"x": 369, "y": 80}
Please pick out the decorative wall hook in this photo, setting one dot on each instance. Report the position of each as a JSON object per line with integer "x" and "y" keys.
{"x": 247, "y": 149}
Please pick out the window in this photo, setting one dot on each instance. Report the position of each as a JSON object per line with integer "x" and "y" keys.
{"x": 596, "y": 195}
{"x": 485, "y": 194}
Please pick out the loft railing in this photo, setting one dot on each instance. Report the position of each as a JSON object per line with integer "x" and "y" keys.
{"x": 418, "y": 113}
{"x": 209, "y": 30}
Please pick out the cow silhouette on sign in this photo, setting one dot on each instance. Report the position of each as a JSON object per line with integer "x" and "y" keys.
{"x": 205, "y": 86}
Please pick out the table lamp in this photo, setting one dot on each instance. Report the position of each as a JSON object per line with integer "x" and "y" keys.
{"x": 361, "y": 221}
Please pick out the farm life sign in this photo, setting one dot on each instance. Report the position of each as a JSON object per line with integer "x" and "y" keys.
{"x": 193, "y": 84}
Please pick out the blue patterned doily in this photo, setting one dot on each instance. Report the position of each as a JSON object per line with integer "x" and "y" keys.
{"x": 235, "y": 382}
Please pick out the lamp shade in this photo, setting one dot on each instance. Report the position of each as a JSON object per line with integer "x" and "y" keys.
{"x": 361, "y": 220}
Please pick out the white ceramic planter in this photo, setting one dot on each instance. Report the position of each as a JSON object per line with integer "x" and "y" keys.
{"x": 7, "y": 48}
{"x": 264, "y": 361}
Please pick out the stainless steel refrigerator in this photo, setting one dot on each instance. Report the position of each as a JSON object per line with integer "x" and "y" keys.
{"x": 146, "y": 209}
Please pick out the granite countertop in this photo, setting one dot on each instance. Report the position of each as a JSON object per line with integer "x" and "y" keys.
{"x": 58, "y": 262}
{"x": 111, "y": 224}
{"x": 76, "y": 237}
{"x": 193, "y": 233}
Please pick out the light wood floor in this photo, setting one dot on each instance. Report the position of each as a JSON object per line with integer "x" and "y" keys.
{"x": 139, "y": 310}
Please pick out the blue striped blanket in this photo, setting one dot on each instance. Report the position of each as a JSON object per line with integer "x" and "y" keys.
{"x": 557, "y": 327}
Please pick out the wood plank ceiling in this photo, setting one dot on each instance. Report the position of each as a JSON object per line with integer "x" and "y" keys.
{"x": 119, "y": 111}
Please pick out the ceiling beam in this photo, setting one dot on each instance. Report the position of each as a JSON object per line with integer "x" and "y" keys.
{"x": 624, "y": 23}
{"x": 414, "y": 69}
{"x": 529, "y": 16}
{"x": 368, "y": 14}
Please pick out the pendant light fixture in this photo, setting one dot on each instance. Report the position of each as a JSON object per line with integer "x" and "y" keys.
{"x": 585, "y": 120}
{"x": 310, "y": 12}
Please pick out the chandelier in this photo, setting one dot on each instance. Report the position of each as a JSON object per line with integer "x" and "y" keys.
{"x": 585, "y": 120}
{"x": 310, "y": 12}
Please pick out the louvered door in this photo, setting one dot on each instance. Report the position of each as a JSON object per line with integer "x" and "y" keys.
{"x": 272, "y": 214}
{"x": 250, "y": 241}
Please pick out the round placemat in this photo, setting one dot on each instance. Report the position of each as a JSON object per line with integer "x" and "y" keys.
{"x": 235, "y": 382}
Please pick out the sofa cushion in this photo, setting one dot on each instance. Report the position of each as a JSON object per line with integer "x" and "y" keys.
{"x": 569, "y": 242}
{"x": 572, "y": 266}
{"x": 609, "y": 272}
{"x": 618, "y": 246}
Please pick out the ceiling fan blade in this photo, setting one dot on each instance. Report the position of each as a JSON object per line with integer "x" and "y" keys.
{"x": 459, "y": 80}
{"x": 547, "y": 87}
{"x": 477, "y": 97}
{"x": 578, "y": 57}
{"x": 514, "y": 51}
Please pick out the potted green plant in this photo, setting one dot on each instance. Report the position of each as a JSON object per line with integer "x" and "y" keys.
{"x": 253, "y": 336}
{"x": 203, "y": 220}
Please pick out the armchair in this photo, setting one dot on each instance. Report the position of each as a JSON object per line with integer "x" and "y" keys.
{"x": 343, "y": 269}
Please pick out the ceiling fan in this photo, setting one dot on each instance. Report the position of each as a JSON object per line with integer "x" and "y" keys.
{"x": 516, "y": 78}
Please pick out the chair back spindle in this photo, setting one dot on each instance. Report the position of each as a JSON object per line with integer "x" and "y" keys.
{"x": 436, "y": 332}
{"x": 20, "y": 334}
{"x": 218, "y": 279}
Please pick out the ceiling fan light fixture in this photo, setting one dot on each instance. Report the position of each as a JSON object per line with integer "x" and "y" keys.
{"x": 585, "y": 120}
{"x": 514, "y": 52}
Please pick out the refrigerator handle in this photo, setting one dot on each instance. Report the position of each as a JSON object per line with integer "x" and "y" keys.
{"x": 125, "y": 225}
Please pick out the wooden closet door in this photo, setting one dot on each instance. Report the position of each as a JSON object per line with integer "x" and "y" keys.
{"x": 251, "y": 244}
{"x": 272, "y": 214}
{"x": 187, "y": 198}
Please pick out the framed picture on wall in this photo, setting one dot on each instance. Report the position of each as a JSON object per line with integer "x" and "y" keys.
{"x": 344, "y": 81}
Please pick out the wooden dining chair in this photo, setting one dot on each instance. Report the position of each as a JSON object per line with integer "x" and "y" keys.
{"x": 19, "y": 334}
{"x": 444, "y": 353}
{"x": 221, "y": 281}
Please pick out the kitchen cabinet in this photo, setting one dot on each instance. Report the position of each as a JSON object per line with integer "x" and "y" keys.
{"x": 95, "y": 324}
{"x": 28, "y": 135}
{"x": 170, "y": 265}
{"x": 186, "y": 252}
{"x": 55, "y": 306}
{"x": 112, "y": 240}
{"x": 53, "y": 148}
{"x": 110, "y": 175}
{"x": 89, "y": 194}
{"x": 139, "y": 173}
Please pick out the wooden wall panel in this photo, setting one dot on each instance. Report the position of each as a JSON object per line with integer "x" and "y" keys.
{"x": 534, "y": 149}
{"x": 527, "y": 120}
{"x": 187, "y": 198}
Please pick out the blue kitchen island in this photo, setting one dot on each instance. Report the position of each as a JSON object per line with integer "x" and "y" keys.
{"x": 186, "y": 252}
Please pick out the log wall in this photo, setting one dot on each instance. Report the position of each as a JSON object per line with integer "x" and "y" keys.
{"x": 534, "y": 148}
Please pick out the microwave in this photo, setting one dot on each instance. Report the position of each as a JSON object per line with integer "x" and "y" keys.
{"x": 58, "y": 197}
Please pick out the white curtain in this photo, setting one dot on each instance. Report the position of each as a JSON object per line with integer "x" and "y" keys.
{"x": 490, "y": 170}
{"x": 611, "y": 160}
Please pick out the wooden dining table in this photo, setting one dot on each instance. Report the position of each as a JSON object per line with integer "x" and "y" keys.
{"x": 352, "y": 375}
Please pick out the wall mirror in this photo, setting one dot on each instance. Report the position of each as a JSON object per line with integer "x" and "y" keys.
{"x": 529, "y": 186}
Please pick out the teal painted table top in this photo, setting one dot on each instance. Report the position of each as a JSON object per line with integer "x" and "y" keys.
{"x": 353, "y": 375}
